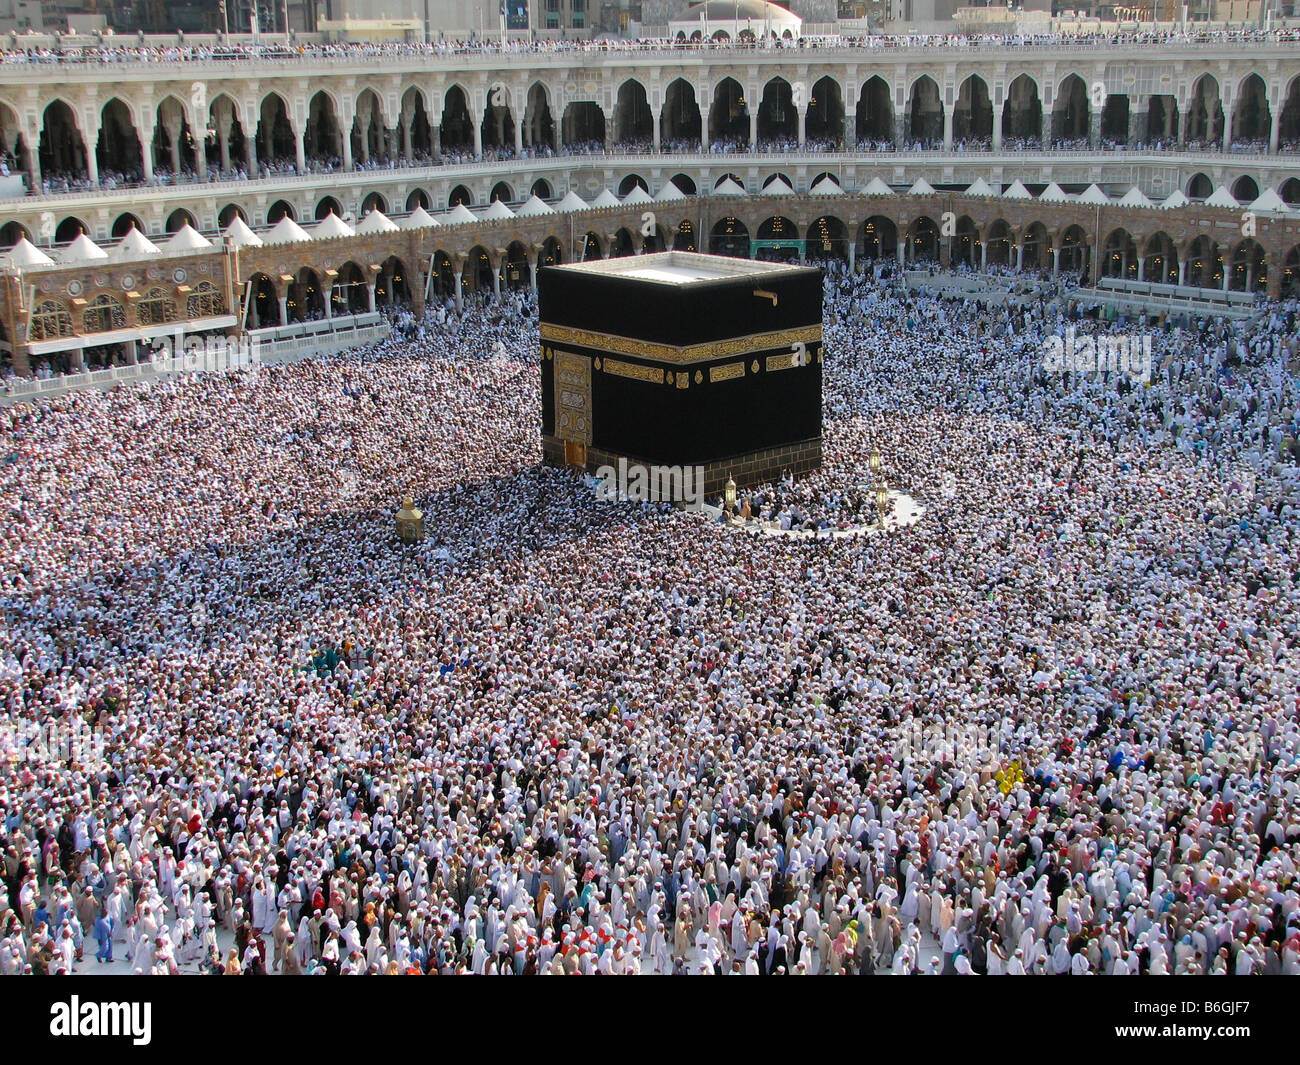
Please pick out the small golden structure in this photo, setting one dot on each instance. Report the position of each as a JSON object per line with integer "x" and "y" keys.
{"x": 410, "y": 521}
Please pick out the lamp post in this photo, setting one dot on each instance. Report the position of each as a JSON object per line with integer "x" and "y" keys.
{"x": 876, "y": 460}
{"x": 730, "y": 496}
{"x": 882, "y": 500}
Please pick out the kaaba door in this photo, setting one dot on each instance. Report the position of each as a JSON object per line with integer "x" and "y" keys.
{"x": 575, "y": 454}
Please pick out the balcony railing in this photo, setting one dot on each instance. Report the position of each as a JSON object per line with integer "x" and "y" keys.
{"x": 19, "y": 65}
{"x": 636, "y": 160}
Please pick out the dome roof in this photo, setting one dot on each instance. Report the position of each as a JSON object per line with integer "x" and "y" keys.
{"x": 241, "y": 236}
{"x": 458, "y": 214}
{"x": 25, "y": 253}
{"x": 135, "y": 244}
{"x": 81, "y": 250}
{"x": 732, "y": 10}
{"x": 534, "y": 205}
{"x": 331, "y": 226}
{"x": 187, "y": 238}
{"x": 377, "y": 222}
{"x": 285, "y": 231}
{"x": 419, "y": 219}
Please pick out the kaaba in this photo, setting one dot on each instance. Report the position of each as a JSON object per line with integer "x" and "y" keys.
{"x": 679, "y": 359}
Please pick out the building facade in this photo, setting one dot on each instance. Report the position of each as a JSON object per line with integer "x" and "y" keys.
{"x": 157, "y": 146}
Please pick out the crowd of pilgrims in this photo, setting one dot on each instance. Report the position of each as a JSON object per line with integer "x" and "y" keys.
{"x": 570, "y": 735}
{"x": 110, "y": 48}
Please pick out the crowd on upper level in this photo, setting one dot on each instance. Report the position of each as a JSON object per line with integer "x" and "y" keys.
{"x": 111, "y": 50}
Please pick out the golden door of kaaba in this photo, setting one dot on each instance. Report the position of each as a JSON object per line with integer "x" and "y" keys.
{"x": 573, "y": 400}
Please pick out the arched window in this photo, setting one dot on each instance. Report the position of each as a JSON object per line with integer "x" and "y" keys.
{"x": 50, "y": 320}
{"x": 206, "y": 301}
{"x": 156, "y": 307}
{"x": 103, "y": 314}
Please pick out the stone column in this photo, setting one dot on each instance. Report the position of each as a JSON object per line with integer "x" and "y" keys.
{"x": 478, "y": 140}
{"x": 89, "y": 142}
{"x": 173, "y": 127}
{"x": 284, "y": 310}
{"x": 22, "y": 363}
{"x": 250, "y": 140}
{"x": 362, "y": 123}
{"x": 1137, "y": 124}
{"x": 327, "y": 291}
{"x": 300, "y": 149}
{"x": 421, "y": 279}
{"x": 1056, "y": 261}
{"x": 225, "y": 125}
{"x": 370, "y": 296}
{"x": 947, "y": 128}
{"x": 34, "y": 178}
{"x": 457, "y": 282}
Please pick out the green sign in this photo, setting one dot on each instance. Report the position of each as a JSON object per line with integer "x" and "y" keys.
{"x": 792, "y": 243}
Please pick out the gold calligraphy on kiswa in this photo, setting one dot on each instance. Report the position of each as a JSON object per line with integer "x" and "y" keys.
{"x": 716, "y": 349}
